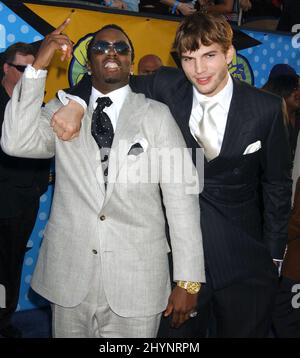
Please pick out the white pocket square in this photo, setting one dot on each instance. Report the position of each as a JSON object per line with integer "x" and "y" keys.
{"x": 138, "y": 146}
{"x": 253, "y": 147}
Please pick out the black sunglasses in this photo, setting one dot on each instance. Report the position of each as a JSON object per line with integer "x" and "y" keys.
{"x": 103, "y": 47}
{"x": 20, "y": 68}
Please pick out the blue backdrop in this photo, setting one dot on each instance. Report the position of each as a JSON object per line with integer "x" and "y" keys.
{"x": 275, "y": 48}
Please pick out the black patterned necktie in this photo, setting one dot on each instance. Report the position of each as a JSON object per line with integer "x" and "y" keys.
{"x": 102, "y": 131}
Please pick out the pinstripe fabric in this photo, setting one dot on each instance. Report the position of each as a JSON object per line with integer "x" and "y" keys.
{"x": 246, "y": 198}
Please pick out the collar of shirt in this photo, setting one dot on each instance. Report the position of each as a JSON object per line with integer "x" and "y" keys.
{"x": 223, "y": 98}
{"x": 117, "y": 96}
{"x": 220, "y": 112}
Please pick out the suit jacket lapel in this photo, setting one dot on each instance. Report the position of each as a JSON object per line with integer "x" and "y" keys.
{"x": 238, "y": 123}
{"x": 182, "y": 108}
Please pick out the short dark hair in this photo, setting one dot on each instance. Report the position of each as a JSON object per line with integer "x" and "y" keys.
{"x": 203, "y": 28}
{"x": 23, "y": 48}
{"x": 283, "y": 85}
{"x": 107, "y": 27}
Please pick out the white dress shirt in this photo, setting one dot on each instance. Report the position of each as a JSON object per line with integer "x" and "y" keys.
{"x": 219, "y": 112}
{"x": 31, "y": 72}
{"x": 117, "y": 96}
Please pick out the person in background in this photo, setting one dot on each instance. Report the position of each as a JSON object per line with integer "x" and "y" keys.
{"x": 284, "y": 81}
{"x": 22, "y": 182}
{"x": 130, "y": 5}
{"x": 182, "y": 7}
{"x": 263, "y": 9}
{"x": 290, "y": 15}
{"x": 229, "y": 8}
{"x": 286, "y": 315}
{"x": 115, "y": 4}
{"x": 153, "y": 6}
{"x": 149, "y": 64}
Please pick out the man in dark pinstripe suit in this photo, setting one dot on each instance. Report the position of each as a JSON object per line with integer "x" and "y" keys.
{"x": 246, "y": 198}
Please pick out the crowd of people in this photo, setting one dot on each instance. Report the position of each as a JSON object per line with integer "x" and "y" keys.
{"x": 104, "y": 262}
{"x": 286, "y": 12}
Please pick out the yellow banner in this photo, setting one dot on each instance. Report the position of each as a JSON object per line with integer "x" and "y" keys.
{"x": 148, "y": 36}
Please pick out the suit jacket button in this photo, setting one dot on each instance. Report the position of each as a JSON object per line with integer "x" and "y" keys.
{"x": 95, "y": 252}
{"x": 236, "y": 171}
{"x": 102, "y": 217}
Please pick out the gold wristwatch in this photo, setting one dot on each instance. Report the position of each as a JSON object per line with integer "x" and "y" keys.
{"x": 190, "y": 287}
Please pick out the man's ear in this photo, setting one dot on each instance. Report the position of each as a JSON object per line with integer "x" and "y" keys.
{"x": 5, "y": 68}
{"x": 131, "y": 69}
{"x": 88, "y": 68}
{"x": 230, "y": 54}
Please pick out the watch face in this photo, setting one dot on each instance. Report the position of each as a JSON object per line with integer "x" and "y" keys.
{"x": 193, "y": 287}
{"x": 190, "y": 287}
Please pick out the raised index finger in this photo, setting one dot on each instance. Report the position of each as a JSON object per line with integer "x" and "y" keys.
{"x": 61, "y": 27}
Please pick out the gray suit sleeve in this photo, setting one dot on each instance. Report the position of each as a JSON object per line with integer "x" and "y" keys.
{"x": 26, "y": 130}
{"x": 180, "y": 188}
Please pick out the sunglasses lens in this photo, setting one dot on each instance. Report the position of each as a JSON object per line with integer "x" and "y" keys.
{"x": 102, "y": 47}
{"x": 21, "y": 68}
{"x": 122, "y": 48}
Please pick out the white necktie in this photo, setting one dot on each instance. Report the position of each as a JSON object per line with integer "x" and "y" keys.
{"x": 208, "y": 136}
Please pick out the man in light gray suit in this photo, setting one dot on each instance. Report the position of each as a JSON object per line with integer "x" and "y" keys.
{"x": 104, "y": 258}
